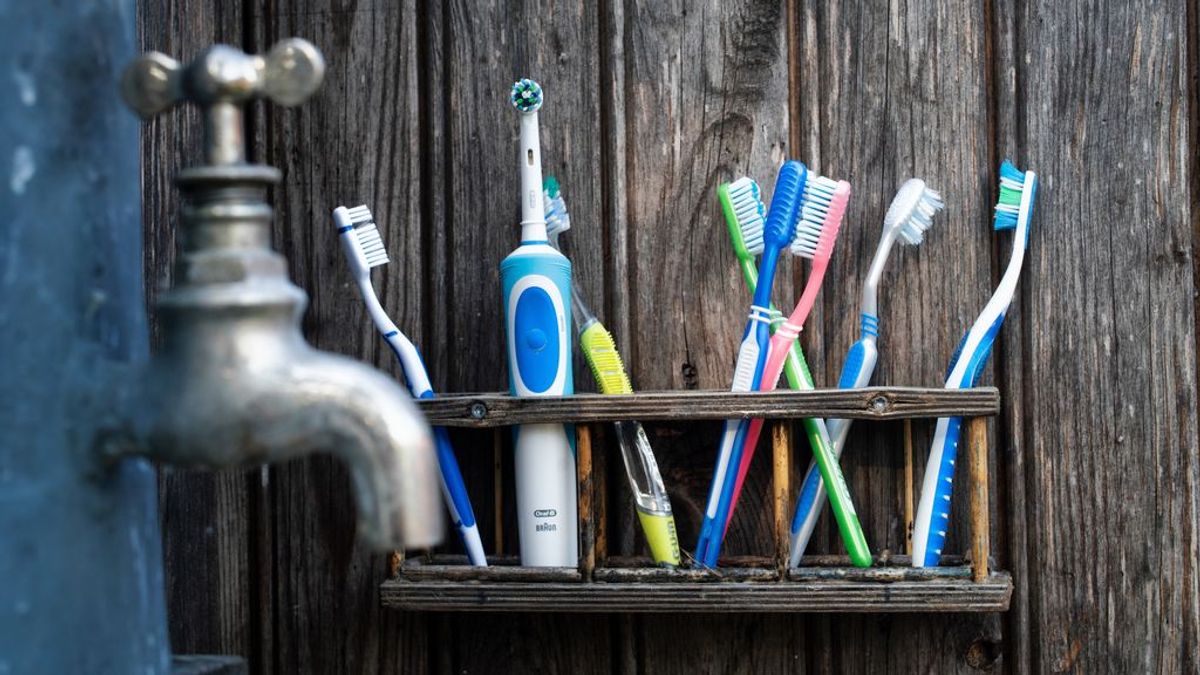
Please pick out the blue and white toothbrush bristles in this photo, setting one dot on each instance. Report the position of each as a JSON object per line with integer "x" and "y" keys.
{"x": 1008, "y": 205}
{"x": 367, "y": 234}
{"x": 557, "y": 218}
{"x": 818, "y": 197}
{"x": 751, "y": 214}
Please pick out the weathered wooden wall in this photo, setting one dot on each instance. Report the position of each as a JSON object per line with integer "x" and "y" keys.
{"x": 650, "y": 105}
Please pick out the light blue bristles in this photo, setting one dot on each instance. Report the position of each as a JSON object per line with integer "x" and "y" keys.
{"x": 526, "y": 95}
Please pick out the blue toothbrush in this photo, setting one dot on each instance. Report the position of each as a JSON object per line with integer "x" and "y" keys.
{"x": 777, "y": 234}
{"x": 1013, "y": 211}
{"x": 364, "y": 249}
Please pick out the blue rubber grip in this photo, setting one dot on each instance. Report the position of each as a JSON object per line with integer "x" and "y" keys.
{"x": 853, "y": 366}
{"x": 453, "y": 477}
{"x": 940, "y": 520}
{"x": 806, "y": 500}
{"x": 786, "y": 200}
{"x": 536, "y": 339}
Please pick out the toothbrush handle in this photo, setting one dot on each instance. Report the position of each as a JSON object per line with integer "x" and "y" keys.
{"x": 456, "y": 498}
{"x": 743, "y": 379}
{"x": 839, "y": 497}
{"x": 856, "y": 372}
{"x": 933, "y": 511}
{"x": 453, "y": 488}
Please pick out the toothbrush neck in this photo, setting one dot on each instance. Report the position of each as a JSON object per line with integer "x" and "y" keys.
{"x": 870, "y": 291}
{"x": 533, "y": 232}
{"x": 532, "y": 209}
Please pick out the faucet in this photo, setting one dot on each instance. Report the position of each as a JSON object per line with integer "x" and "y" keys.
{"x": 233, "y": 383}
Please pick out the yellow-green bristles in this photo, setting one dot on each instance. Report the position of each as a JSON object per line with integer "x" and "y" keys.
{"x": 601, "y": 354}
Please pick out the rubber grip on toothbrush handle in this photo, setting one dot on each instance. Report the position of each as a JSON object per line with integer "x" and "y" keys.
{"x": 933, "y": 511}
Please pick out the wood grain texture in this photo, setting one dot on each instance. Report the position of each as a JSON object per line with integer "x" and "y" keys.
{"x": 890, "y": 91}
{"x": 1096, "y": 364}
{"x": 872, "y": 403}
{"x": 207, "y": 518}
{"x": 1109, "y": 438}
{"x": 945, "y": 594}
{"x": 356, "y": 141}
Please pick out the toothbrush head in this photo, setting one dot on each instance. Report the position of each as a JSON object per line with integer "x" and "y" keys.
{"x": 912, "y": 211}
{"x": 821, "y": 215}
{"x": 782, "y": 217}
{"x": 745, "y": 216}
{"x": 1013, "y": 185}
{"x": 360, "y": 238}
{"x": 526, "y": 95}
{"x": 557, "y": 218}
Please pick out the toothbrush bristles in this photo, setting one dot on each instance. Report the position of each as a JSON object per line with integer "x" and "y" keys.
{"x": 750, "y": 213}
{"x": 821, "y": 214}
{"x": 557, "y": 218}
{"x": 1012, "y": 185}
{"x": 912, "y": 230}
{"x": 372, "y": 245}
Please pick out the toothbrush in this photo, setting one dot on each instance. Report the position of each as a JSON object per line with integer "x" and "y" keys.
{"x": 777, "y": 233}
{"x": 825, "y": 203}
{"x": 909, "y": 216}
{"x": 743, "y": 213}
{"x": 364, "y": 249}
{"x": 1013, "y": 211}
{"x": 537, "y": 285}
{"x": 650, "y": 494}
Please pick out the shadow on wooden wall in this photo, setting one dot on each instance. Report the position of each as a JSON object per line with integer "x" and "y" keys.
{"x": 649, "y": 106}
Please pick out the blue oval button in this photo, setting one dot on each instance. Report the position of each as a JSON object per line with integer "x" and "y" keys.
{"x": 536, "y": 324}
{"x": 536, "y": 339}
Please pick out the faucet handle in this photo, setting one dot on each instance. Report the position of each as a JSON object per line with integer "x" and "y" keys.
{"x": 219, "y": 80}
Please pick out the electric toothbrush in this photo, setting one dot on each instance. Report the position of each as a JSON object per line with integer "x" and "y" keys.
{"x": 537, "y": 289}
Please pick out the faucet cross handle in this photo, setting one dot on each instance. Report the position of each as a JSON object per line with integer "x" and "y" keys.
{"x": 219, "y": 80}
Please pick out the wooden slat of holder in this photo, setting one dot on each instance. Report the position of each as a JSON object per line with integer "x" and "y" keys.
{"x": 764, "y": 583}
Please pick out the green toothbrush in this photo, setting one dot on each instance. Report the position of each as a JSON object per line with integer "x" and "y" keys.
{"x": 740, "y": 202}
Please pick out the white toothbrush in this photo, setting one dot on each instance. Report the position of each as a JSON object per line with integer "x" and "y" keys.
{"x": 909, "y": 216}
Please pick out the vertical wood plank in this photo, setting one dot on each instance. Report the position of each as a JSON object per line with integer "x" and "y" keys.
{"x": 207, "y": 518}
{"x": 977, "y": 489}
{"x": 891, "y": 91}
{"x": 781, "y": 498}
{"x": 483, "y": 47}
{"x": 1106, "y": 305}
{"x": 701, "y": 88}
{"x": 587, "y": 490}
{"x": 356, "y": 141}
{"x": 907, "y": 490}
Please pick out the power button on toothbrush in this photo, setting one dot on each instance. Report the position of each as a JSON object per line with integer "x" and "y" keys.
{"x": 536, "y": 339}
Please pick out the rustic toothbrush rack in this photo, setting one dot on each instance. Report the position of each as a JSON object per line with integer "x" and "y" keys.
{"x": 744, "y": 584}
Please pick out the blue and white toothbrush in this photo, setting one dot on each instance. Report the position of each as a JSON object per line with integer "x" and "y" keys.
{"x": 537, "y": 309}
{"x": 909, "y": 216}
{"x": 1013, "y": 210}
{"x": 364, "y": 249}
{"x": 777, "y": 235}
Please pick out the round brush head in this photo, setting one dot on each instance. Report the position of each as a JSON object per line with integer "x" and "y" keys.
{"x": 526, "y": 95}
{"x": 912, "y": 210}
